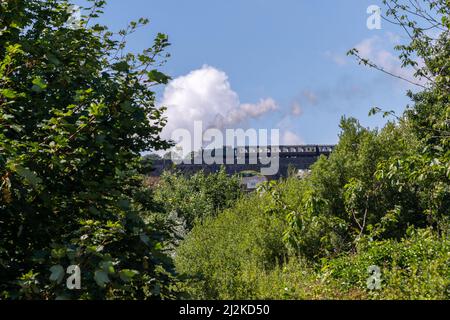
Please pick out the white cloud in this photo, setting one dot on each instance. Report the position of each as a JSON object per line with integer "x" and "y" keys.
{"x": 377, "y": 50}
{"x": 206, "y": 95}
{"x": 287, "y": 126}
{"x": 374, "y": 50}
{"x": 257, "y": 110}
{"x": 246, "y": 111}
{"x": 296, "y": 109}
{"x": 291, "y": 138}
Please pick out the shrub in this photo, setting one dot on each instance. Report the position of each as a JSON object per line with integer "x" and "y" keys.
{"x": 220, "y": 250}
{"x": 417, "y": 267}
{"x": 197, "y": 196}
{"x": 75, "y": 116}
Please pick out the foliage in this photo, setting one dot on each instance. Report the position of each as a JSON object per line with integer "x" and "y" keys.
{"x": 217, "y": 251}
{"x": 240, "y": 255}
{"x": 380, "y": 183}
{"x": 197, "y": 196}
{"x": 426, "y": 173}
{"x": 417, "y": 267}
{"x": 381, "y": 198}
{"x": 341, "y": 199}
{"x": 76, "y": 111}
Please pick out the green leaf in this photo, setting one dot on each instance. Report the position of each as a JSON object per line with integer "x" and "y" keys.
{"x": 57, "y": 274}
{"x": 374, "y": 111}
{"x": 28, "y": 175}
{"x": 124, "y": 204}
{"x": 121, "y": 66}
{"x": 58, "y": 253}
{"x": 8, "y": 93}
{"x": 158, "y": 77}
{"x": 16, "y": 128}
{"x": 127, "y": 274}
{"x": 53, "y": 59}
{"x": 39, "y": 85}
{"x": 107, "y": 266}
{"x": 127, "y": 106}
{"x": 101, "y": 278}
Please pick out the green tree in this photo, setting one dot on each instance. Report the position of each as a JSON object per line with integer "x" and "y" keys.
{"x": 76, "y": 111}
{"x": 381, "y": 198}
{"x": 197, "y": 196}
{"x": 219, "y": 251}
{"x": 426, "y": 172}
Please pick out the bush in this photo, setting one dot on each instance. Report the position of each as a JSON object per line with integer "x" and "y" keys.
{"x": 241, "y": 254}
{"x": 417, "y": 267}
{"x": 198, "y": 196}
{"x": 219, "y": 251}
{"x": 75, "y": 117}
{"x": 382, "y": 198}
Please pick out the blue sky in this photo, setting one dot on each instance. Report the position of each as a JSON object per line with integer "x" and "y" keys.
{"x": 286, "y": 57}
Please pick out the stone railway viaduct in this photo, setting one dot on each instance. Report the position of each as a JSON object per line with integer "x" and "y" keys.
{"x": 296, "y": 157}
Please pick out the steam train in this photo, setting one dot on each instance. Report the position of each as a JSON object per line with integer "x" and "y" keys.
{"x": 244, "y": 154}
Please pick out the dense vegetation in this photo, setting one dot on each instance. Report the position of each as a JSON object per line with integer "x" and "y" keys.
{"x": 382, "y": 200}
{"x": 316, "y": 238}
{"x": 76, "y": 113}
{"x": 198, "y": 196}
